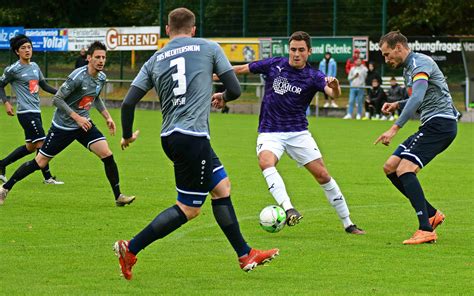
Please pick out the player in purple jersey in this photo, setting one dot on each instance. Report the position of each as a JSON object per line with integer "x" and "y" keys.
{"x": 290, "y": 85}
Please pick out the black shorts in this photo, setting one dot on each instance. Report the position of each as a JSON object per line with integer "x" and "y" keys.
{"x": 58, "y": 139}
{"x": 32, "y": 126}
{"x": 431, "y": 139}
{"x": 197, "y": 169}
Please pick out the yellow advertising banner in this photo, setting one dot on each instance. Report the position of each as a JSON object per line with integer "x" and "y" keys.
{"x": 237, "y": 50}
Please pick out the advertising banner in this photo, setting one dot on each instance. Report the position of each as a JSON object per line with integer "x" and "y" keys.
{"x": 115, "y": 38}
{"x": 80, "y": 38}
{"x": 341, "y": 48}
{"x": 444, "y": 50}
{"x": 48, "y": 39}
{"x": 237, "y": 50}
{"x": 7, "y": 33}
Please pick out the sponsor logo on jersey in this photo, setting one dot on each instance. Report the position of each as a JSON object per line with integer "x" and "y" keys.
{"x": 86, "y": 102}
{"x": 34, "y": 87}
{"x": 281, "y": 86}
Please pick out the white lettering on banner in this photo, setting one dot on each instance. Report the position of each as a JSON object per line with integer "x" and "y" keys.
{"x": 6, "y": 36}
{"x": 53, "y": 42}
{"x": 116, "y": 39}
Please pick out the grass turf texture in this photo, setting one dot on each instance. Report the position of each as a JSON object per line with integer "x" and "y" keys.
{"x": 58, "y": 239}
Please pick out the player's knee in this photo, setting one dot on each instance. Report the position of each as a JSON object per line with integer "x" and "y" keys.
{"x": 41, "y": 160}
{"x": 31, "y": 147}
{"x": 222, "y": 189}
{"x": 389, "y": 168}
{"x": 191, "y": 212}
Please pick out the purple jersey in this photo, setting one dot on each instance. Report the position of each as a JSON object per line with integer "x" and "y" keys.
{"x": 288, "y": 92}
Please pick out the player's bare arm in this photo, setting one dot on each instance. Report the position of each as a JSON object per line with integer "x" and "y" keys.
{"x": 242, "y": 69}
{"x": 387, "y": 137}
{"x": 110, "y": 122}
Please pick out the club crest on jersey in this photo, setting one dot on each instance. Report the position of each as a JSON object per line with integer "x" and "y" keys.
{"x": 282, "y": 86}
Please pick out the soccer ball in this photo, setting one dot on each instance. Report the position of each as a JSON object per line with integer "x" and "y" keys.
{"x": 272, "y": 218}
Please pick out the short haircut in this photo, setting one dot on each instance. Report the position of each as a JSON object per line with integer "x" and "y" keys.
{"x": 300, "y": 35}
{"x": 96, "y": 45}
{"x": 17, "y": 41}
{"x": 392, "y": 38}
{"x": 181, "y": 20}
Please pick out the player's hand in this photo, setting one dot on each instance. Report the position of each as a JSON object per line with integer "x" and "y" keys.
{"x": 111, "y": 126}
{"x": 386, "y": 137}
{"x": 332, "y": 82}
{"x": 9, "y": 109}
{"x": 124, "y": 143}
{"x": 218, "y": 100}
{"x": 388, "y": 108}
{"x": 84, "y": 123}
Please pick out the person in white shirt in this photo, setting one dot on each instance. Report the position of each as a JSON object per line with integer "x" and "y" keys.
{"x": 356, "y": 77}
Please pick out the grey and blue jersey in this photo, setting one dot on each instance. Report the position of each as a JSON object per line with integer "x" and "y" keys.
{"x": 181, "y": 73}
{"x": 79, "y": 92}
{"x": 437, "y": 101}
{"x": 24, "y": 79}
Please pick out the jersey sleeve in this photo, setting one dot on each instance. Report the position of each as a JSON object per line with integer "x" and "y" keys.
{"x": 67, "y": 88}
{"x": 7, "y": 77}
{"x": 221, "y": 63}
{"x": 320, "y": 81}
{"x": 144, "y": 80}
{"x": 422, "y": 70}
{"x": 260, "y": 67}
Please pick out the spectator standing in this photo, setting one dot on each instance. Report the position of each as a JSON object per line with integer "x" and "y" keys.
{"x": 329, "y": 67}
{"x": 356, "y": 77}
{"x": 81, "y": 59}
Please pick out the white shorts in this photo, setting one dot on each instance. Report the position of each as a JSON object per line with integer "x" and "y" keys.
{"x": 300, "y": 146}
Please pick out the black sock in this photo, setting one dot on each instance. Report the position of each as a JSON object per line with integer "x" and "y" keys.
{"x": 14, "y": 156}
{"x": 225, "y": 216}
{"x": 166, "y": 222}
{"x": 398, "y": 184}
{"x": 417, "y": 198}
{"x": 112, "y": 174}
{"x": 24, "y": 170}
{"x": 45, "y": 171}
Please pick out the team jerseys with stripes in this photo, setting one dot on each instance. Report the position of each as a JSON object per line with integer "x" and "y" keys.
{"x": 437, "y": 101}
{"x": 24, "y": 79}
{"x": 181, "y": 73}
{"x": 79, "y": 91}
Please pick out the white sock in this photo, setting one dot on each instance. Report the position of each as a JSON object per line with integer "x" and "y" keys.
{"x": 277, "y": 187}
{"x": 336, "y": 199}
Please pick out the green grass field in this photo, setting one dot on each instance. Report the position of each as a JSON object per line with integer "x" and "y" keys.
{"x": 58, "y": 240}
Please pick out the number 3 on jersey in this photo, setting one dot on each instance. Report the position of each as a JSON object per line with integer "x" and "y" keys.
{"x": 179, "y": 76}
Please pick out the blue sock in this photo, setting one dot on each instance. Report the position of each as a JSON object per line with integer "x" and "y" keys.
{"x": 225, "y": 216}
{"x": 417, "y": 198}
{"x": 166, "y": 222}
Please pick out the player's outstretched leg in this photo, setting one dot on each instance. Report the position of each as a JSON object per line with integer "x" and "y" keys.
{"x": 111, "y": 171}
{"x": 22, "y": 172}
{"x": 225, "y": 216}
{"x": 277, "y": 188}
{"x": 16, "y": 154}
{"x": 166, "y": 222}
{"x": 338, "y": 202}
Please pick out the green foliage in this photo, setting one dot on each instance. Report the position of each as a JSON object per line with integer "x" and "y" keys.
{"x": 58, "y": 239}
